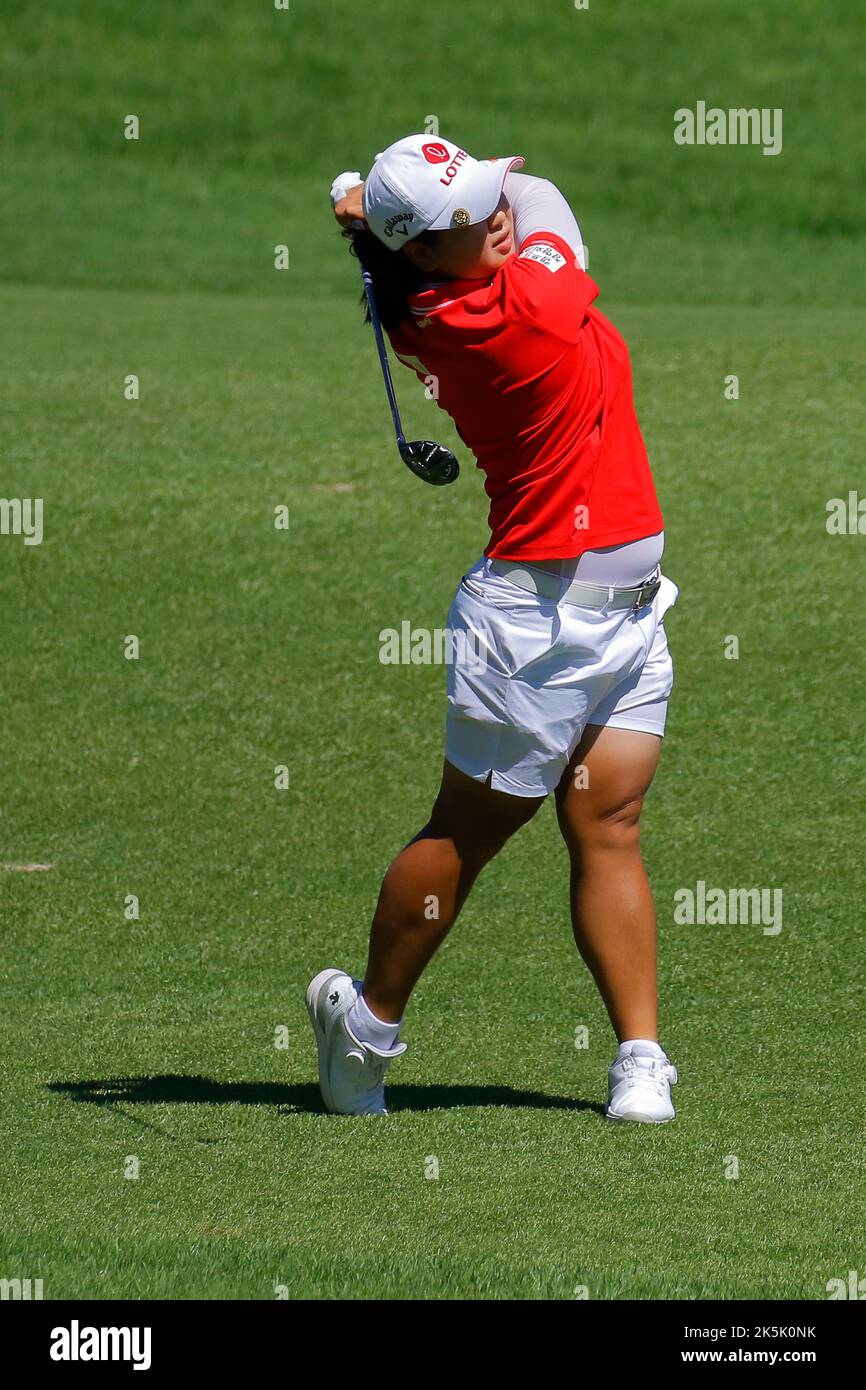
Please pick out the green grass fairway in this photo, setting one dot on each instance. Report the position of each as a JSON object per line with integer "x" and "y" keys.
{"x": 155, "y": 1039}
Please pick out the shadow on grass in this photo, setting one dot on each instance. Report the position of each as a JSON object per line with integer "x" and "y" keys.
{"x": 201, "y": 1090}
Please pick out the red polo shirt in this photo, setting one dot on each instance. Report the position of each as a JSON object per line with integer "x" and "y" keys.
{"x": 538, "y": 384}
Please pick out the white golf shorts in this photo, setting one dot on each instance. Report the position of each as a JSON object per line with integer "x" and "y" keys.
{"x": 528, "y": 673}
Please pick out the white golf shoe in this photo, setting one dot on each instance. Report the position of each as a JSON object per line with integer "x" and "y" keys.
{"x": 640, "y": 1087}
{"x": 351, "y": 1072}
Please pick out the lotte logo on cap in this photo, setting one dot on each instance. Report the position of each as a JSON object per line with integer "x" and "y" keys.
{"x": 436, "y": 154}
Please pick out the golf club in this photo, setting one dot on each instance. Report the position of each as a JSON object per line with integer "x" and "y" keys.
{"x": 428, "y": 460}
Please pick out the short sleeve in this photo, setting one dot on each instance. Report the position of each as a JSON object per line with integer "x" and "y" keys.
{"x": 549, "y": 286}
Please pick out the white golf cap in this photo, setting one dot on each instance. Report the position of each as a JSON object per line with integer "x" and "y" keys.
{"x": 422, "y": 183}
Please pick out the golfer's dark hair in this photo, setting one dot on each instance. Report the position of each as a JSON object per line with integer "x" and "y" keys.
{"x": 394, "y": 275}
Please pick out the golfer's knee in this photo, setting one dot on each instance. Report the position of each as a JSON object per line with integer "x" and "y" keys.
{"x": 615, "y": 827}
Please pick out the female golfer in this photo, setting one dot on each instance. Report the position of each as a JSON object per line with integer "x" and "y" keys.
{"x": 561, "y": 673}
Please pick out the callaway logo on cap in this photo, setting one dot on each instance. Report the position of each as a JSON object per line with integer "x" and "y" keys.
{"x": 420, "y": 184}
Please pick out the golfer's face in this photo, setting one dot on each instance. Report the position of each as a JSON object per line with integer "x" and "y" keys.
{"x": 474, "y": 252}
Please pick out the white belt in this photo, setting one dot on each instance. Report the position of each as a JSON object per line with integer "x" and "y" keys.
{"x": 580, "y": 595}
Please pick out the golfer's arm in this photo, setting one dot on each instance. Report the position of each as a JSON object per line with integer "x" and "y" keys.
{"x": 538, "y": 206}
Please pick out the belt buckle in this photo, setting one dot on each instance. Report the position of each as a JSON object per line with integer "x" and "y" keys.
{"x": 647, "y": 593}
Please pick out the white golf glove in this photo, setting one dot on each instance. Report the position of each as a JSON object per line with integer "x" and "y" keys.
{"x": 341, "y": 185}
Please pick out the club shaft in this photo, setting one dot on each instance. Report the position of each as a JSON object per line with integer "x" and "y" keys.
{"x": 383, "y": 353}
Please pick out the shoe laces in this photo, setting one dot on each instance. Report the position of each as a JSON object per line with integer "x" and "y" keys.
{"x": 655, "y": 1072}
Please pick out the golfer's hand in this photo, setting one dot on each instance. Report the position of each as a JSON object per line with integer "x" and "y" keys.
{"x": 351, "y": 209}
{"x": 347, "y": 191}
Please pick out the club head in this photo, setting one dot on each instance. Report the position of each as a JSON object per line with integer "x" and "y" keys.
{"x": 430, "y": 461}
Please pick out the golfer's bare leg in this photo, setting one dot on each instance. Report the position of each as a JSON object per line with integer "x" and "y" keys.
{"x": 428, "y": 883}
{"x": 612, "y": 909}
